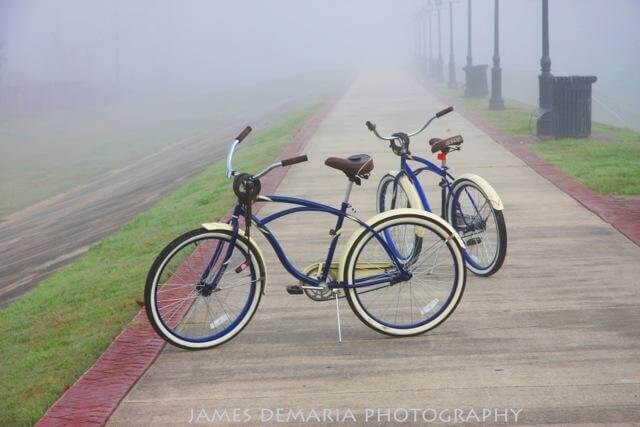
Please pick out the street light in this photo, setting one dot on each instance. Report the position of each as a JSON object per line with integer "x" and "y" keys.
{"x": 432, "y": 68}
{"x": 545, "y": 101}
{"x": 545, "y": 125}
{"x": 475, "y": 76}
{"x": 423, "y": 41}
{"x": 469, "y": 57}
{"x": 496, "y": 102}
{"x": 439, "y": 71}
{"x": 436, "y": 66}
{"x": 452, "y": 63}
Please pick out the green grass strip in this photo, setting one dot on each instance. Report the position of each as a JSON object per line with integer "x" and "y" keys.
{"x": 607, "y": 162}
{"x": 515, "y": 119}
{"x": 56, "y": 332}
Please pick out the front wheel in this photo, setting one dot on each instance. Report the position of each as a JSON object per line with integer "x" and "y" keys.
{"x": 204, "y": 287}
{"x": 396, "y": 192}
{"x": 415, "y": 303}
{"x": 480, "y": 225}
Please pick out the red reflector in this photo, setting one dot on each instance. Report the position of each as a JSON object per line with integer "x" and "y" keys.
{"x": 442, "y": 156}
{"x": 241, "y": 267}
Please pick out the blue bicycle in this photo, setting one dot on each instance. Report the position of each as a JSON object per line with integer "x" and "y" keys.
{"x": 468, "y": 203}
{"x": 205, "y": 286}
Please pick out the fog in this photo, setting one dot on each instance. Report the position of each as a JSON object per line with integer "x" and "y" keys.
{"x": 109, "y": 105}
{"x": 587, "y": 37}
{"x": 195, "y": 45}
{"x": 157, "y": 47}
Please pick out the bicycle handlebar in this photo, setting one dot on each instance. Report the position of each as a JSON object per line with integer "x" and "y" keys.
{"x": 443, "y": 112}
{"x": 238, "y": 140}
{"x": 294, "y": 160}
{"x": 372, "y": 127}
{"x": 243, "y": 134}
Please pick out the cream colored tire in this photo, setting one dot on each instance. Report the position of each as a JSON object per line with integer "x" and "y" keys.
{"x": 434, "y": 230}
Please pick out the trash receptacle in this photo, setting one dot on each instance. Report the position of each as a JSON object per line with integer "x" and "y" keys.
{"x": 476, "y": 85}
{"x": 571, "y": 113}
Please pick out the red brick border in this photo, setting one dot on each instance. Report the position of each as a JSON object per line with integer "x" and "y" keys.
{"x": 97, "y": 393}
{"x": 621, "y": 214}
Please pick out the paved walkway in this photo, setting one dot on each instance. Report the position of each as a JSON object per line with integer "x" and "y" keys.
{"x": 555, "y": 332}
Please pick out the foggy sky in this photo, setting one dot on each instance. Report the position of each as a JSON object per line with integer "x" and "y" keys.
{"x": 197, "y": 45}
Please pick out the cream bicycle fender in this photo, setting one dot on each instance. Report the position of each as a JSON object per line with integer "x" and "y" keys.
{"x": 212, "y": 226}
{"x": 493, "y": 197}
{"x": 389, "y": 214}
{"x": 409, "y": 189}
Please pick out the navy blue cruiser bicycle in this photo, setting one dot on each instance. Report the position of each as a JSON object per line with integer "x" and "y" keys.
{"x": 205, "y": 286}
{"x": 468, "y": 202}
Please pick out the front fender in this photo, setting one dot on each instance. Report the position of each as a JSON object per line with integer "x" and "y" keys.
{"x": 379, "y": 218}
{"x": 493, "y": 197}
{"x": 213, "y": 226}
{"x": 409, "y": 189}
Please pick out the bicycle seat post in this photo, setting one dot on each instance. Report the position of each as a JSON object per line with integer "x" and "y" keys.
{"x": 443, "y": 160}
{"x": 347, "y": 194}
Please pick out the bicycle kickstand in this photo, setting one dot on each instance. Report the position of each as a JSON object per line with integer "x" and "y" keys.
{"x": 336, "y": 293}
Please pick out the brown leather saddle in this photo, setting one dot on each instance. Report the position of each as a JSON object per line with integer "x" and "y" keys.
{"x": 445, "y": 145}
{"x": 354, "y": 167}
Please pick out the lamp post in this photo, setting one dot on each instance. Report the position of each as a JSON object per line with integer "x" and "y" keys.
{"x": 423, "y": 41}
{"x": 545, "y": 78}
{"x": 432, "y": 71}
{"x": 496, "y": 102}
{"x": 469, "y": 58}
{"x": 545, "y": 125}
{"x": 452, "y": 63}
{"x": 440, "y": 72}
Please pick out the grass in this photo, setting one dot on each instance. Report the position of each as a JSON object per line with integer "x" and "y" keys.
{"x": 609, "y": 165}
{"x": 54, "y": 333}
{"x": 607, "y": 162}
{"x": 515, "y": 119}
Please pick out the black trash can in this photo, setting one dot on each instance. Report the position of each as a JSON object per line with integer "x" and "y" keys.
{"x": 476, "y": 85}
{"x": 571, "y": 112}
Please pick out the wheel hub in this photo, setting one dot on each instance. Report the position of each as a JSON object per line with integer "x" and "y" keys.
{"x": 204, "y": 289}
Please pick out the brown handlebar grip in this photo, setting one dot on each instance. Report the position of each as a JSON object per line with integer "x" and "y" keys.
{"x": 443, "y": 112}
{"x": 294, "y": 160}
{"x": 244, "y": 134}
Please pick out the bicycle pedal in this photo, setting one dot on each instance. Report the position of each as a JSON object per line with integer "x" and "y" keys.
{"x": 294, "y": 290}
{"x": 474, "y": 241}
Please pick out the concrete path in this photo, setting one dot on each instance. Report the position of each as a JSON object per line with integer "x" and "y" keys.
{"x": 555, "y": 333}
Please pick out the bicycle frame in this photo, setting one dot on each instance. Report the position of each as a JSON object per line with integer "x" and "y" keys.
{"x": 303, "y": 205}
{"x": 445, "y": 185}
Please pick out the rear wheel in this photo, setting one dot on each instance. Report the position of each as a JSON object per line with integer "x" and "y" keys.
{"x": 415, "y": 304}
{"x": 481, "y": 227}
{"x": 201, "y": 291}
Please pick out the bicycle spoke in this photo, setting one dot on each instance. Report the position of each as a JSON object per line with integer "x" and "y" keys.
{"x": 197, "y": 313}
{"x": 433, "y": 279}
